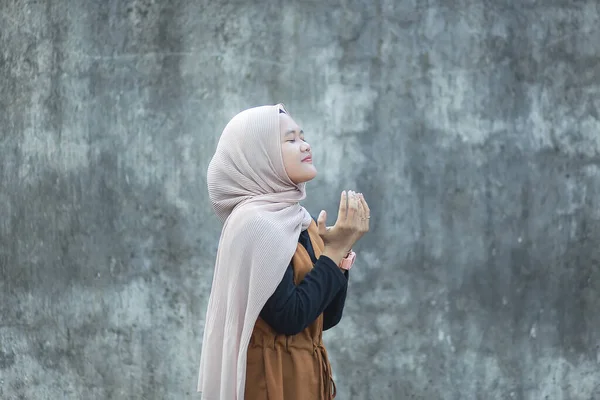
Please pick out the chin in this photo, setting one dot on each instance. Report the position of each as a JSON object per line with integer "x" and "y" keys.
{"x": 305, "y": 178}
{"x": 310, "y": 178}
{"x": 303, "y": 174}
{"x": 311, "y": 175}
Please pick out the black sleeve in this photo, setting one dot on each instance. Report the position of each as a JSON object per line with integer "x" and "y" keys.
{"x": 292, "y": 308}
{"x": 333, "y": 313}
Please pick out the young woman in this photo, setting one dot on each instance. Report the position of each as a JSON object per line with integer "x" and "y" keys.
{"x": 280, "y": 279}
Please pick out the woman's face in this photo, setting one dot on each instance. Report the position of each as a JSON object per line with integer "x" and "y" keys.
{"x": 297, "y": 155}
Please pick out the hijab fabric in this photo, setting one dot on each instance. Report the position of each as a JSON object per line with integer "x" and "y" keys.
{"x": 258, "y": 204}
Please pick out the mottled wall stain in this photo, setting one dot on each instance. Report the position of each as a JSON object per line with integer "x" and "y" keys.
{"x": 7, "y": 360}
{"x": 472, "y": 128}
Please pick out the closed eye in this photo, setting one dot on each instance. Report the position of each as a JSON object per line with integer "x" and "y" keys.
{"x": 293, "y": 133}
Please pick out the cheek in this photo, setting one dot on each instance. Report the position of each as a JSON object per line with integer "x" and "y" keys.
{"x": 289, "y": 160}
{"x": 286, "y": 155}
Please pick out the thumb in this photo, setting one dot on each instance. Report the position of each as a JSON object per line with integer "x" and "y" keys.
{"x": 321, "y": 222}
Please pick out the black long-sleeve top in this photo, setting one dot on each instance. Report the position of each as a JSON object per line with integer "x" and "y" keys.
{"x": 292, "y": 308}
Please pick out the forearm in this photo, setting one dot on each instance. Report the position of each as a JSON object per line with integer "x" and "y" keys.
{"x": 292, "y": 308}
{"x": 334, "y": 311}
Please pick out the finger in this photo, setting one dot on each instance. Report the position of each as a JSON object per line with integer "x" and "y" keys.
{"x": 365, "y": 206}
{"x": 352, "y": 206}
{"x": 364, "y": 211}
{"x": 321, "y": 222}
{"x": 343, "y": 207}
{"x": 360, "y": 211}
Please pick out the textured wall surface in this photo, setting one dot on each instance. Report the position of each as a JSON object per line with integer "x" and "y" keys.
{"x": 472, "y": 127}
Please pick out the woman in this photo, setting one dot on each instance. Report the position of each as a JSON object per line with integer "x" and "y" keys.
{"x": 279, "y": 278}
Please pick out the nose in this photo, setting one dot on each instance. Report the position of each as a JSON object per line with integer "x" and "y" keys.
{"x": 305, "y": 147}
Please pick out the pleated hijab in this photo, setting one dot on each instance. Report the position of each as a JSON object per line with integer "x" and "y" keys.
{"x": 258, "y": 204}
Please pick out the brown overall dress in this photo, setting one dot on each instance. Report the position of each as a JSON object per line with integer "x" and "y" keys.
{"x": 294, "y": 367}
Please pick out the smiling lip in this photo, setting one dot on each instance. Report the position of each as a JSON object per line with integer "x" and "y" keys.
{"x": 307, "y": 159}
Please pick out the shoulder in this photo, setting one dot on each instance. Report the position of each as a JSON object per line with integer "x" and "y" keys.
{"x": 254, "y": 223}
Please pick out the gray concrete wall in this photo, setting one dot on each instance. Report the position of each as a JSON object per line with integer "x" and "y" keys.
{"x": 471, "y": 126}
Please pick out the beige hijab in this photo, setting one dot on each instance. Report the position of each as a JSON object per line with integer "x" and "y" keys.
{"x": 258, "y": 203}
